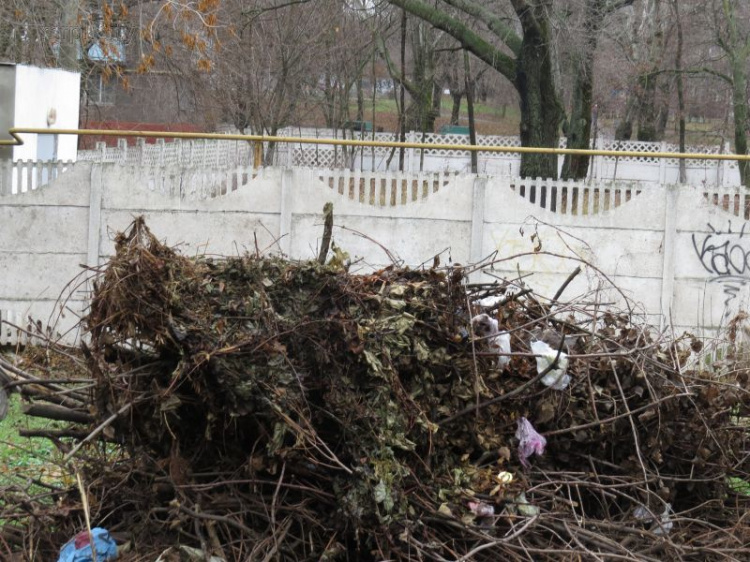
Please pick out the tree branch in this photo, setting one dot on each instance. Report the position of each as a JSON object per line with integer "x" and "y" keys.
{"x": 615, "y": 5}
{"x": 495, "y": 24}
{"x": 525, "y": 13}
{"x": 472, "y": 42}
{"x": 397, "y": 75}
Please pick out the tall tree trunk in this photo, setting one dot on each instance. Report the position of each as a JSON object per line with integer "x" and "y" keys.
{"x": 456, "y": 109}
{"x": 739, "y": 101}
{"x": 470, "y": 107}
{"x": 531, "y": 71}
{"x": 69, "y": 42}
{"x": 541, "y": 112}
{"x": 738, "y": 52}
{"x": 680, "y": 88}
{"x": 437, "y": 98}
{"x": 329, "y": 102}
{"x": 647, "y": 126}
{"x": 360, "y": 99}
{"x": 402, "y": 108}
{"x": 624, "y": 127}
{"x": 579, "y": 124}
{"x": 647, "y": 45}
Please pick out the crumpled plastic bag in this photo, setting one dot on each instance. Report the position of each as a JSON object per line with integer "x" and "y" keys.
{"x": 78, "y": 549}
{"x": 523, "y": 507}
{"x": 556, "y": 378}
{"x": 661, "y": 525}
{"x": 3, "y": 404}
{"x": 481, "y": 509}
{"x": 186, "y": 554}
{"x": 487, "y": 328}
{"x": 529, "y": 441}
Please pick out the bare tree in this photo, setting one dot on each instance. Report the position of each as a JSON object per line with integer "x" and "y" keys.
{"x": 732, "y": 35}
{"x": 421, "y": 81}
{"x": 583, "y": 34}
{"x": 649, "y": 92}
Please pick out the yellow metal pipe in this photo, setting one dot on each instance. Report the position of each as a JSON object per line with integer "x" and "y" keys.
{"x": 15, "y": 131}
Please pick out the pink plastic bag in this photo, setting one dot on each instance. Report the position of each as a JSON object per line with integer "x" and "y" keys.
{"x": 530, "y": 442}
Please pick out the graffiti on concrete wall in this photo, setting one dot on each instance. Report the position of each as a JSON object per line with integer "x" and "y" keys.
{"x": 725, "y": 255}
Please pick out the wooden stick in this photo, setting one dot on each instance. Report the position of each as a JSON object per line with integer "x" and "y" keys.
{"x": 325, "y": 243}
{"x": 55, "y": 412}
{"x": 86, "y": 513}
{"x": 101, "y": 427}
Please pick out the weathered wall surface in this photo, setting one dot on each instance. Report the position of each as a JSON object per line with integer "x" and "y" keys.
{"x": 673, "y": 251}
{"x": 40, "y": 91}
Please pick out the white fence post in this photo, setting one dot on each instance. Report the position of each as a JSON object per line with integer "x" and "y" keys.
{"x": 671, "y": 197}
{"x": 662, "y": 164}
{"x": 141, "y": 144}
{"x": 285, "y": 210}
{"x": 409, "y": 164}
{"x": 721, "y": 166}
{"x": 478, "y": 204}
{"x": 6, "y": 176}
{"x": 122, "y": 147}
{"x": 95, "y": 214}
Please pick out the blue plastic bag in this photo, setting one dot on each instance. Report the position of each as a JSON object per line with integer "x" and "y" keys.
{"x": 78, "y": 549}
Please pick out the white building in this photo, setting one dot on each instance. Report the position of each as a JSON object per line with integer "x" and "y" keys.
{"x": 40, "y": 98}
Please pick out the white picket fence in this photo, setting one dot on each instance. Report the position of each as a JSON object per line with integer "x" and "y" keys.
{"x": 27, "y": 175}
{"x": 181, "y": 153}
{"x": 381, "y": 189}
{"x": 14, "y": 328}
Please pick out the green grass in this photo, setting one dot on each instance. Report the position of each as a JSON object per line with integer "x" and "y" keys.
{"x": 22, "y": 457}
{"x": 739, "y": 485}
{"x": 388, "y": 105}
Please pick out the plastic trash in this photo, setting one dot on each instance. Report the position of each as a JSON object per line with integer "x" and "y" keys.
{"x": 481, "y": 509}
{"x": 186, "y": 554}
{"x": 556, "y": 378}
{"x": 78, "y": 549}
{"x": 523, "y": 507}
{"x": 3, "y": 404}
{"x": 487, "y": 328}
{"x": 661, "y": 525}
{"x": 503, "y": 479}
{"x": 530, "y": 442}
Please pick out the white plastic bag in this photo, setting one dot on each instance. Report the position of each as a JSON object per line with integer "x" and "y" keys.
{"x": 498, "y": 342}
{"x": 556, "y": 378}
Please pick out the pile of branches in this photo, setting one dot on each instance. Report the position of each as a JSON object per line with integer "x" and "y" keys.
{"x": 263, "y": 409}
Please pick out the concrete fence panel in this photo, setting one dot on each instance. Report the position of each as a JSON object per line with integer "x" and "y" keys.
{"x": 682, "y": 252}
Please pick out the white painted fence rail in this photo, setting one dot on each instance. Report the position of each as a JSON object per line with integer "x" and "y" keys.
{"x": 681, "y": 251}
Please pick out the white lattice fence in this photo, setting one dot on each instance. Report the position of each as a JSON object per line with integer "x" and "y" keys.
{"x": 632, "y": 146}
{"x": 190, "y": 153}
{"x": 316, "y": 156}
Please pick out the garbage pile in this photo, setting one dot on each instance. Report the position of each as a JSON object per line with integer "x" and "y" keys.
{"x": 256, "y": 408}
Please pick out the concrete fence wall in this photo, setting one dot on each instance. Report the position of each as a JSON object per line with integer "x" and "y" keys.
{"x": 680, "y": 252}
